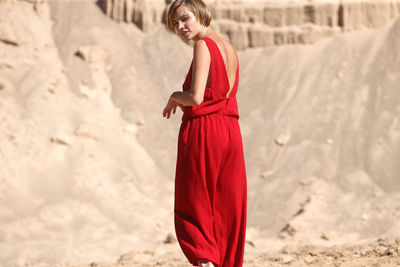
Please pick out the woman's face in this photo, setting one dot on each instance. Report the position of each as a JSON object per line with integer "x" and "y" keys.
{"x": 185, "y": 23}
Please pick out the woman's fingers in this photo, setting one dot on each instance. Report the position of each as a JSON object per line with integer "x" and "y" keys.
{"x": 166, "y": 111}
{"x": 171, "y": 107}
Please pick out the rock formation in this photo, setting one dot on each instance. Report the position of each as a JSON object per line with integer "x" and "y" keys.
{"x": 144, "y": 13}
{"x": 88, "y": 161}
{"x": 263, "y": 23}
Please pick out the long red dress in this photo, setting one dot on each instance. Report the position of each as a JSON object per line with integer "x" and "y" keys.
{"x": 210, "y": 181}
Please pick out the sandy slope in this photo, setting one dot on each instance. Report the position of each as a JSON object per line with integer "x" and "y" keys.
{"x": 75, "y": 175}
{"x": 89, "y": 161}
{"x": 333, "y": 108}
{"x": 383, "y": 252}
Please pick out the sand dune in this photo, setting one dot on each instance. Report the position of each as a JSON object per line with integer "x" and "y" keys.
{"x": 88, "y": 160}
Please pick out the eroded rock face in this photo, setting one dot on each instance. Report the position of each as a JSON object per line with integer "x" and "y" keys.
{"x": 144, "y": 13}
{"x": 87, "y": 158}
{"x": 261, "y": 23}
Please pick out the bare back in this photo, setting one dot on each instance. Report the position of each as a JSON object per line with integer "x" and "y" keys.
{"x": 229, "y": 56}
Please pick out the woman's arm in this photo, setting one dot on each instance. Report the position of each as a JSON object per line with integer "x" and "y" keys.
{"x": 201, "y": 67}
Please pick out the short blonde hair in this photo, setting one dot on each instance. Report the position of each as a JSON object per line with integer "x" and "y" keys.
{"x": 199, "y": 9}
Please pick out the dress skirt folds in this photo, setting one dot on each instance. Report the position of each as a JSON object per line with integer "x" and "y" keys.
{"x": 210, "y": 181}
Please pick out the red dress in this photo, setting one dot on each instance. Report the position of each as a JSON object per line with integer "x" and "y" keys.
{"x": 210, "y": 181}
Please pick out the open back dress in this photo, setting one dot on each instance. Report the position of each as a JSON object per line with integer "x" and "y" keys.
{"x": 210, "y": 181}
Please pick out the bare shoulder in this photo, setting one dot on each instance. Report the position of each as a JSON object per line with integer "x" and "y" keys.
{"x": 227, "y": 44}
{"x": 227, "y": 47}
{"x": 200, "y": 48}
{"x": 200, "y": 44}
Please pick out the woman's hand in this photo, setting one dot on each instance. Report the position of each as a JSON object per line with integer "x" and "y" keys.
{"x": 171, "y": 106}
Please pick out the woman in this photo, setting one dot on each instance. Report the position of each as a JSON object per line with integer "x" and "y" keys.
{"x": 210, "y": 180}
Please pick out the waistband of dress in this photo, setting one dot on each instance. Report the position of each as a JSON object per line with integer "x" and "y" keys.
{"x": 187, "y": 117}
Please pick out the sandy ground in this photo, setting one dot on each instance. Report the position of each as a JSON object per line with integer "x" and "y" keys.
{"x": 88, "y": 160}
{"x": 383, "y": 252}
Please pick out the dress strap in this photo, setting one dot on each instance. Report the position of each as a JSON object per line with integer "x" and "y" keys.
{"x": 219, "y": 77}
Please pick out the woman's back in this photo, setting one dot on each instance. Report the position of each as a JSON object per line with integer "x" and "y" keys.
{"x": 229, "y": 57}
{"x": 223, "y": 80}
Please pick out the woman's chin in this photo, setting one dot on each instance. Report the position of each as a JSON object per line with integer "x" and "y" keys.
{"x": 185, "y": 37}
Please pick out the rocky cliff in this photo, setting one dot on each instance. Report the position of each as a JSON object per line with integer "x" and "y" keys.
{"x": 88, "y": 161}
{"x": 264, "y": 23}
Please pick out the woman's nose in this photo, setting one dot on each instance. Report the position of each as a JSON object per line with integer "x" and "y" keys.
{"x": 180, "y": 25}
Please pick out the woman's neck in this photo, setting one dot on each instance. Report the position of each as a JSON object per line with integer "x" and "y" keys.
{"x": 204, "y": 33}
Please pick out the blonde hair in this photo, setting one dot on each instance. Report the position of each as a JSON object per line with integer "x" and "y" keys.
{"x": 199, "y": 9}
